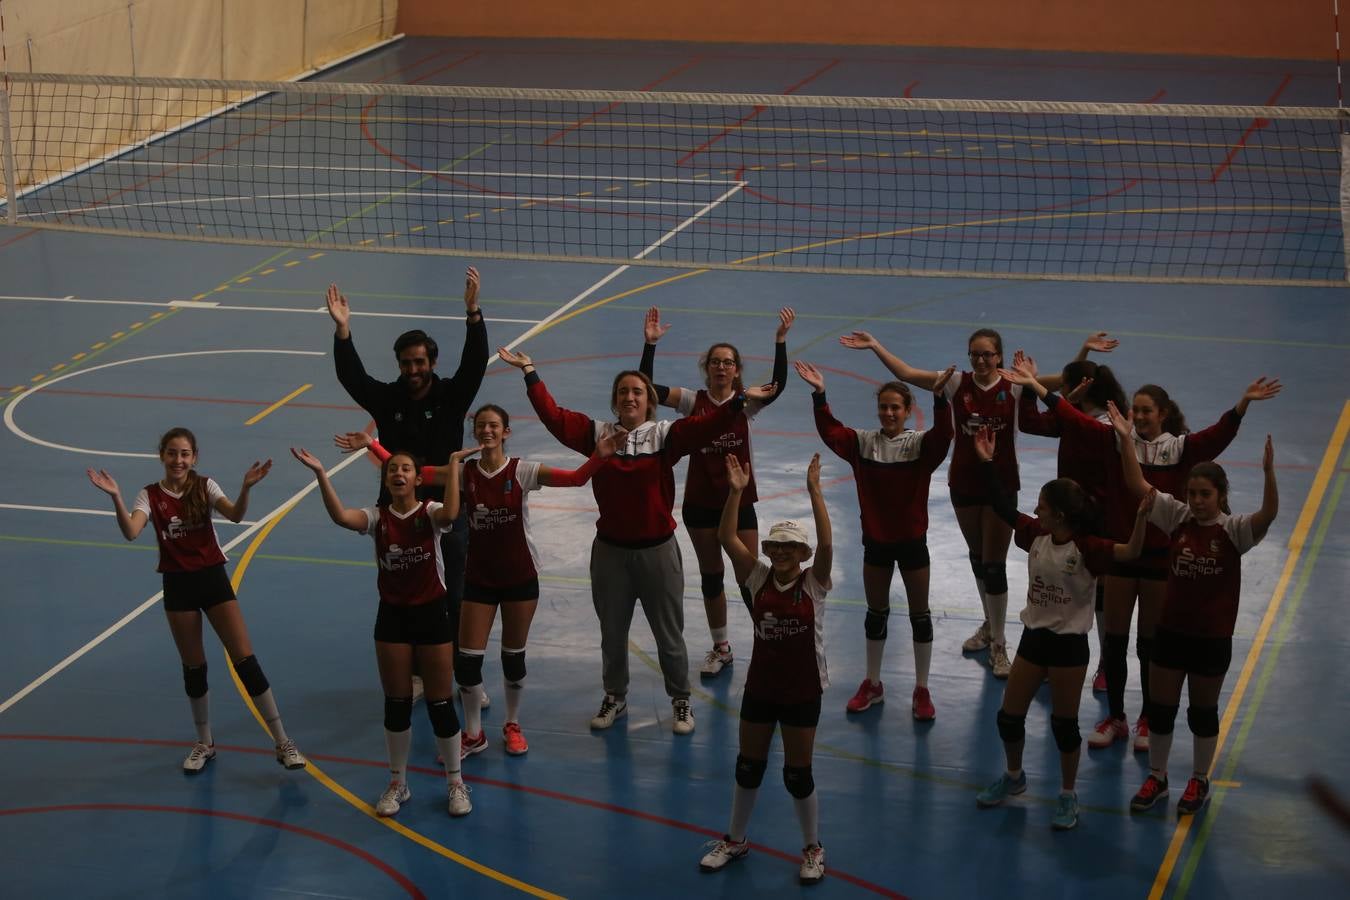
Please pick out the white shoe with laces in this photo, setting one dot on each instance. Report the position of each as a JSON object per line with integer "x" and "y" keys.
{"x": 722, "y": 853}
{"x": 813, "y": 864}
{"x": 684, "y": 717}
{"x": 611, "y": 708}
{"x": 458, "y": 796}
{"x": 199, "y": 756}
{"x": 998, "y": 661}
{"x": 289, "y": 756}
{"x": 392, "y": 799}
{"x": 979, "y": 640}
{"x": 715, "y": 661}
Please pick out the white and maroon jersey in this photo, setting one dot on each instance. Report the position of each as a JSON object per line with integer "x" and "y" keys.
{"x": 706, "y": 482}
{"x": 182, "y": 548}
{"x": 501, "y": 553}
{"x": 408, "y": 553}
{"x": 975, "y": 407}
{"x": 1061, "y": 578}
{"x": 787, "y": 664}
{"x": 1204, "y": 568}
{"x": 892, "y": 474}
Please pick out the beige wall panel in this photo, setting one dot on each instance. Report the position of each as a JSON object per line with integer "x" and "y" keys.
{"x": 92, "y": 38}
{"x": 264, "y": 39}
{"x": 174, "y": 41}
{"x": 338, "y": 27}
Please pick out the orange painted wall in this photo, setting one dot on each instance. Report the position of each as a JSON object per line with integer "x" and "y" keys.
{"x": 1290, "y": 29}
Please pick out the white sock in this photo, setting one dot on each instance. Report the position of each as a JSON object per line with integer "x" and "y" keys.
{"x": 267, "y": 708}
{"x": 719, "y": 636}
{"x": 808, "y": 816}
{"x": 923, "y": 657}
{"x": 514, "y": 690}
{"x": 1204, "y": 755}
{"x": 472, "y": 697}
{"x": 742, "y": 805}
{"x": 398, "y": 743}
{"x": 201, "y": 717}
{"x": 449, "y": 750}
{"x": 1159, "y": 749}
{"x": 875, "y": 649}
{"x": 998, "y": 615}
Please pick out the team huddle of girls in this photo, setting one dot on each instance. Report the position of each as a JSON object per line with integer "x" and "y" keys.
{"x": 1139, "y": 510}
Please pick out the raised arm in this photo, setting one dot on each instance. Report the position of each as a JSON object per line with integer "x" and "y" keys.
{"x": 652, "y": 330}
{"x": 131, "y": 523}
{"x": 1131, "y": 550}
{"x": 1129, "y": 462}
{"x": 450, "y": 500}
{"x": 938, "y": 439}
{"x": 1270, "y": 496}
{"x": 463, "y": 386}
{"x": 606, "y": 447}
{"x": 1260, "y": 389}
{"x": 824, "y": 556}
{"x": 861, "y": 340}
{"x": 1025, "y": 373}
{"x": 837, "y": 436}
{"x": 786, "y": 317}
{"x": 351, "y": 373}
{"x": 694, "y": 432}
{"x": 235, "y": 511}
{"x": 354, "y": 519}
{"x": 573, "y": 430}
{"x": 742, "y": 557}
{"x": 359, "y": 440}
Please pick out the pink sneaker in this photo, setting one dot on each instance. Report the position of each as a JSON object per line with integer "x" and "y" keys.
{"x": 924, "y": 711}
{"x": 867, "y": 694}
{"x": 1108, "y": 731}
{"x": 513, "y": 740}
{"x": 468, "y": 746}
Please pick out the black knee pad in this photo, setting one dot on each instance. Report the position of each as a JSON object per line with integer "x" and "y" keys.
{"x": 874, "y": 623}
{"x": 1065, "y": 730}
{"x": 922, "y": 626}
{"x": 1143, "y": 649}
{"x": 1162, "y": 719}
{"x": 513, "y": 666}
{"x": 1013, "y": 729}
{"x": 444, "y": 722}
{"x": 468, "y": 668}
{"x": 750, "y": 772}
{"x": 397, "y": 713}
{"x": 799, "y": 782}
{"x": 976, "y": 566}
{"x": 1203, "y": 720}
{"x": 711, "y": 582}
{"x": 251, "y": 674}
{"x": 996, "y": 578}
{"x": 194, "y": 680}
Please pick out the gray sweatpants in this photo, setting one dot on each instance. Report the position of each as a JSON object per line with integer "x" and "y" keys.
{"x": 655, "y": 575}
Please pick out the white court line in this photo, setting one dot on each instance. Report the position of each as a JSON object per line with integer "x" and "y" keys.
{"x": 100, "y": 512}
{"x": 209, "y": 304}
{"x": 122, "y": 622}
{"x": 558, "y": 176}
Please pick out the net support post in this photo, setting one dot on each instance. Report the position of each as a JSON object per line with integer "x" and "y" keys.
{"x": 1345, "y": 200}
{"x": 11, "y": 194}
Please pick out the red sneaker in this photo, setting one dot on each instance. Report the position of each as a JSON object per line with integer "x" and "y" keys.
{"x": 471, "y": 744}
{"x": 867, "y": 694}
{"x": 513, "y": 740}
{"x": 923, "y": 707}
{"x": 1099, "y": 681}
{"x": 1154, "y": 789}
{"x": 1107, "y": 732}
{"x": 1194, "y": 797}
{"x": 1141, "y": 735}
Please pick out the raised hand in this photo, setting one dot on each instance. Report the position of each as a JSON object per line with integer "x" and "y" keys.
{"x": 471, "y": 284}
{"x": 1120, "y": 422}
{"x": 943, "y": 377}
{"x": 859, "y": 340}
{"x": 1146, "y": 503}
{"x": 338, "y": 308}
{"x": 652, "y": 329}
{"x": 786, "y": 317}
{"x": 352, "y": 441}
{"x": 519, "y": 360}
{"x": 762, "y": 393}
{"x": 737, "y": 476}
{"x": 811, "y": 375}
{"x": 307, "y": 459}
{"x": 984, "y": 444}
{"x": 1100, "y": 342}
{"x": 256, "y": 472}
{"x": 813, "y": 474}
{"x": 461, "y": 455}
{"x": 100, "y": 479}
{"x": 1079, "y": 391}
{"x": 612, "y": 443}
{"x": 1262, "y": 389}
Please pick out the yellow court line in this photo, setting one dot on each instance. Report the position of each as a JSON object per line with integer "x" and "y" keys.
{"x": 628, "y": 293}
{"x": 280, "y": 403}
{"x": 1296, "y": 541}
{"x": 324, "y": 779}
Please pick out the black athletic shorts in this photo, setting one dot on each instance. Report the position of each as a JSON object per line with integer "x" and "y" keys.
{"x": 766, "y": 712}
{"x": 424, "y": 623}
{"x": 1192, "y": 654}
{"x": 711, "y": 517}
{"x": 1043, "y": 647}
{"x": 906, "y": 555}
{"x": 963, "y": 500}
{"x": 202, "y": 589}
{"x": 493, "y": 596}
{"x": 1150, "y": 566}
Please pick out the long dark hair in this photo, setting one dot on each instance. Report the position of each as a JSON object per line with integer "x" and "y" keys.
{"x": 1066, "y": 497}
{"x": 492, "y": 408}
{"x": 1172, "y": 419}
{"x": 1215, "y": 475}
{"x": 1105, "y": 386}
{"x": 196, "y": 505}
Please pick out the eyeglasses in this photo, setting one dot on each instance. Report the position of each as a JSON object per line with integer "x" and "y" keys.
{"x": 721, "y": 363}
{"x": 982, "y": 355}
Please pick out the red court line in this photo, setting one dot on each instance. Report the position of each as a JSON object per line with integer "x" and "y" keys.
{"x": 424, "y": 770}
{"x": 1256, "y": 125}
{"x": 646, "y": 87}
{"x": 909, "y": 88}
{"x": 402, "y": 880}
{"x": 1158, "y": 96}
{"x": 757, "y": 110}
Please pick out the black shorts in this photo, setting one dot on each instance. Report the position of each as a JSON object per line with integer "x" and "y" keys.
{"x": 1192, "y": 654}
{"x": 425, "y": 623}
{"x": 711, "y": 517}
{"x": 766, "y": 712}
{"x": 202, "y": 589}
{"x": 907, "y": 555}
{"x": 1043, "y": 647}
{"x": 1150, "y": 566}
{"x": 961, "y": 501}
{"x": 493, "y": 596}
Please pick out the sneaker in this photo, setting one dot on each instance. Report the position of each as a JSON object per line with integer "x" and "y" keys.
{"x": 867, "y": 694}
{"x": 979, "y": 640}
{"x": 1141, "y": 735}
{"x": 1154, "y": 789}
{"x": 1194, "y": 797}
{"x": 684, "y": 717}
{"x": 1099, "y": 681}
{"x": 1001, "y": 790}
{"x": 1066, "y": 812}
{"x": 722, "y": 852}
{"x": 611, "y": 708}
{"x": 392, "y": 799}
{"x": 715, "y": 661}
{"x": 199, "y": 756}
{"x": 469, "y": 745}
{"x": 813, "y": 864}
{"x": 922, "y": 705}
{"x": 418, "y": 688}
{"x": 513, "y": 740}
{"x": 290, "y": 757}
{"x": 1108, "y": 731}
{"x": 458, "y": 795}
{"x": 999, "y": 664}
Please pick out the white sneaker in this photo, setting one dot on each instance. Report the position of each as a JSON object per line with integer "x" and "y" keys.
{"x": 392, "y": 799}
{"x": 199, "y": 756}
{"x": 998, "y": 660}
{"x": 418, "y": 689}
{"x": 611, "y": 708}
{"x": 458, "y": 795}
{"x": 813, "y": 864}
{"x": 723, "y": 852}
{"x": 979, "y": 640}
{"x": 290, "y": 757}
{"x": 684, "y": 717}
{"x": 715, "y": 661}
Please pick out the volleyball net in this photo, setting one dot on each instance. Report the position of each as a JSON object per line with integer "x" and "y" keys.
{"x": 1007, "y": 189}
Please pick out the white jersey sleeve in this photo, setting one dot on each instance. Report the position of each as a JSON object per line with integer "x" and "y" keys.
{"x": 1168, "y": 512}
{"x": 142, "y": 503}
{"x": 372, "y": 519}
{"x": 1240, "y": 532}
{"x": 527, "y": 475}
{"x": 213, "y": 493}
{"x": 688, "y": 398}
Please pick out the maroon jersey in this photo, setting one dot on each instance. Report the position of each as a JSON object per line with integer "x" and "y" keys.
{"x": 1082, "y": 457}
{"x": 182, "y": 547}
{"x": 408, "y": 553}
{"x": 787, "y": 664}
{"x": 500, "y": 551}
{"x": 892, "y": 474}
{"x": 706, "y": 483}
{"x": 973, "y": 408}
{"x": 1204, "y": 568}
